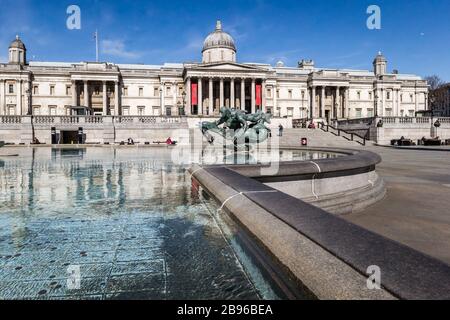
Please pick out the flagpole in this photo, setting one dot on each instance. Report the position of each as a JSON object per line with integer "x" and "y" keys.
{"x": 96, "y": 45}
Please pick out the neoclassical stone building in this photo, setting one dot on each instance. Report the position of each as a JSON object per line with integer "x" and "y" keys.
{"x": 199, "y": 89}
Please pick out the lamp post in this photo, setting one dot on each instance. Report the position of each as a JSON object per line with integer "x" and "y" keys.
{"x": 184, "y": 103}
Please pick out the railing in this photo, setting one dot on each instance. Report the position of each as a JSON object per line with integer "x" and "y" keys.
{"x": 10, "y": 119}
{"x": 351, "y": 136}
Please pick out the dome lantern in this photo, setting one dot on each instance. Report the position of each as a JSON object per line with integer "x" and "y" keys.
{"x": 17, "y": 52}
{"x": 219, "y": 46}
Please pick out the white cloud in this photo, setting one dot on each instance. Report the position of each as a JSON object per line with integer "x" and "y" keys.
{"x": 117, "y": 48}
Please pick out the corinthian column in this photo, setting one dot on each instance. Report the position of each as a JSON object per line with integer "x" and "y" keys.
{"x": 232, "y": 94}
{"x": 19, "y": 98}
{"x": 253, "y": 95}
{"x": 211, "y": 97}
{"x": 222, "y": 98}
{"x": 86, "y": 94}
{"x": 105, "y": 99}
{"x": 116, "y": 98}
{"x": 2, "y": 97}
{"x": 188, "y": 97}
{"x": 200, "y": 96}
{"x": 74, "y": 94}
{"x": 242, "y": 104}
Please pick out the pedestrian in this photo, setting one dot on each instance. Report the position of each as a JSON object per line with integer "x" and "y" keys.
{"x": 280, "y": 130}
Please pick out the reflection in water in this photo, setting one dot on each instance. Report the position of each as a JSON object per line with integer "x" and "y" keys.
{"x": 130, "y": 218}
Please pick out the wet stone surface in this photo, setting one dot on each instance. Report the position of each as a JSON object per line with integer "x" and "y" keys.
{"x": 130, "y": 223}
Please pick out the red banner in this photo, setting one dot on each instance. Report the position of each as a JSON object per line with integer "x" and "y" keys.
{"x": 194, "y": 94}
{"x": 258, "y": 95}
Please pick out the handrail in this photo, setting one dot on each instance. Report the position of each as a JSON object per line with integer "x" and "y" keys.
{"x": 327, "y": 127}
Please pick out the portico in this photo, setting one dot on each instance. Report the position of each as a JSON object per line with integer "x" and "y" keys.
{"x": 208, "y": 93}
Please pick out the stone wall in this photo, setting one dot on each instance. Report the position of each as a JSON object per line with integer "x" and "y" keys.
{"x": 397, "y": 127}
{"x": 107, "y": 129}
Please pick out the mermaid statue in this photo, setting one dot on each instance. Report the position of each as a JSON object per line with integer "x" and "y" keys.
{"x": 239, "y": 127}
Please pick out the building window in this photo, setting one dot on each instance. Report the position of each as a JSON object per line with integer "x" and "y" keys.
{"x": 290, "y": 112}
{"x": 68, "y": 90}
{"x": 141, "y": 110}
{"x": 402, "y": 113}
{"x": 11, "y": 88}
{"x": 370, "y": 95}
{"x": 168, "y": 91}
{"x": 411, "y": 113}
{"x": 97, "y": 91}
{"x": 156, "y": 111}
{"x": 126, "y": 110}
{"x": 35, "y": 89}
{"x": 388, "y": 95}
{"x": 36, "y": 110}
{"x": 278, "y": 94}
{"x": 411, "y": 98}
{"x": 388, "y": 112}
{"x": 125, "y": 91}
{"x": 67, "y": 110}
{"x": 269, "y": 93}
{"x": 168, "y": 111}
{"x": 370, "y": 112}
{"x": 141, "y": 92}
{"x": 156, "y": 91}
{"x": 358, "y": 113}
{"x": 52, "y": 110}
{"x": 359, "y": 95}
{"x": 290, "y": 94}
{"x": 11, "y": 110}
{"x": 52, "y": 90}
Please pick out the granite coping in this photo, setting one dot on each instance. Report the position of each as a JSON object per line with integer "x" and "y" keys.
{"x": 406, "y": 273}
{"x": 352, "y": 161}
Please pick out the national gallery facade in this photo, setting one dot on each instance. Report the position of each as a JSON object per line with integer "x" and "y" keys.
{"x": 200, "y": 89}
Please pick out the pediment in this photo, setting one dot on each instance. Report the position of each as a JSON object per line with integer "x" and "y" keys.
{"x": 227, "y": 66}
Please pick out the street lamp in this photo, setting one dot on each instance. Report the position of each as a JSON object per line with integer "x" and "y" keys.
{"x": 184, "y": 102}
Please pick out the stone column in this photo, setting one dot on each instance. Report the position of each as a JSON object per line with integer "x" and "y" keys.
{"x": 416, "y": 99}
{"x": 74, "y": 94}
{"x": 263, "y": 96}
{"x": 2, "y": 97}
{"x": 243, "y": 94}
{"x": 19, "y": 98}
{"x": 200, "y": 96}
{"x": 313, "y": 102}
{"x": 116, "y": 98}
{"x": 336, "y": 110}
{"x": 347, "y": 101}
{"x": 105, "y": 99}
{"x": 174, "y": 95}
{"x": 322, "y": 102}
{"x": 188, "y": 97}
{"x": 162, "y": 92}
{"x": 222, "y": 98}
{"x": 232, "y": 94}
{"x": 275, "y": 98}
{"x": 211, "y": 97}
{"x": 86, "y": 94}
{"x": 253, "y": 95}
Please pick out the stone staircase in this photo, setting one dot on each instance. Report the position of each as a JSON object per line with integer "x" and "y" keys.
{"x": 316, "y": 138}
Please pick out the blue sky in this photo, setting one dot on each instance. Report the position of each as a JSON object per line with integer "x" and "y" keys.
{"x": 415, "y": 34}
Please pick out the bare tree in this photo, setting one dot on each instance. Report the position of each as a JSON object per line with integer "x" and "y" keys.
{"x": 434, "y": 82}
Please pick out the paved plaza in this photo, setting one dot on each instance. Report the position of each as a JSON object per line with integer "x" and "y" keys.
{"x": 416, "y": 210}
